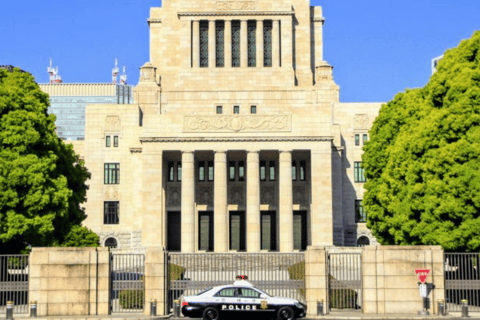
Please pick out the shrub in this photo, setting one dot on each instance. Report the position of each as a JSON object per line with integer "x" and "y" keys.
{"x": 131, "y": 299}
{"x": 297, "y": 272}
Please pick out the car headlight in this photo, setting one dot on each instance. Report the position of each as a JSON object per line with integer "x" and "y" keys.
{"x": 298, "y": 305}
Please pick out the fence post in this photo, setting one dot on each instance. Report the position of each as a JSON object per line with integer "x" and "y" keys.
{"x": 316, "y": 283}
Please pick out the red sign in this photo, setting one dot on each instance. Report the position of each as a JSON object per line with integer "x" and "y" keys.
{"x": 422, "y": 274}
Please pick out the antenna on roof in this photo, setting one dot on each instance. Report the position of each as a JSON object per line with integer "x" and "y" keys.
{"x": 115, "y": 72}
{"x": 123, "y": 77}
{"x": 54, "y": 76}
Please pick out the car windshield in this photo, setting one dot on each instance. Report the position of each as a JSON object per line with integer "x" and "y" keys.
{"x": 202, "y": 292}
{"x": 269, "y": 295}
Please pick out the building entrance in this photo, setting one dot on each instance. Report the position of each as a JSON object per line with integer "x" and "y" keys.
{"x": 174, "y": 234}
{"x": 269, "y": 230}
{"x": 300, "y": 230}
{"x": 237, "y": 231}
{"x": 205, "y": 231}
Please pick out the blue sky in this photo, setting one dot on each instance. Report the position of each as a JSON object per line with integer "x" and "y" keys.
{"x": 378, "y": 47}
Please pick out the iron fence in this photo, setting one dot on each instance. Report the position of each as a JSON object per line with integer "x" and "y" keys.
{"x": 127, "y": 283}
{"x": 345, "y": 281}
{"x": 279, "y": 274}
{"x": 14, "y": 282}
{"x": 462, "y": 280}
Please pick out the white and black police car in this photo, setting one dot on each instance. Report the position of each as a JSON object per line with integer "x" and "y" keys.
{"x": 240, "y": 299}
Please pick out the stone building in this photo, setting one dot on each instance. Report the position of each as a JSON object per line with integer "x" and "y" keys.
{"x": 237, "y": 140}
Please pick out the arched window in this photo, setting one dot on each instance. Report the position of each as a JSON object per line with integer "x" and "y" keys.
{"x": 363, "y": 242}
{"x": 111, "y": 243}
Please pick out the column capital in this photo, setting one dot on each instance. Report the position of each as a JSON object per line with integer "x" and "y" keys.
{"x": 196, "y": 21}
{"x": 220, "y": 151}
{"x": 188, "y": 156}
{"x": 285, "y": 151}
{"x": 253, "y": 151}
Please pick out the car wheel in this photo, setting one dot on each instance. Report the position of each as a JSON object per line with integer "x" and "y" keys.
{"x": 211, "y": 313}
{"x": 286, "y": 313}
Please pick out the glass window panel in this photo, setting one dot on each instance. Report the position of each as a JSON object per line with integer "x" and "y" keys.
{"x": 263, "y": 171}
{"x": 235, "y": 232}
{"x": 219, "y": 109}
{"x": 112, "y": 173}
{"x": 210, "y": 171}
{"x": 204, "y": 232}
{"x": 357, "y": 139}
{"x": 248, "y": 293}
{"x": 365, "y": 138}
{"x": 171, "y": 171}
{"x": 236, "y": 109}
{"x": 231, "y": 170}
{"x": 267, "y": 43}
{"x": 230, "y": 292}
{"x": 252, "y": 43}
{"x": 179, "y": 171}
{"x": 359, "y": 173}
{"x": 235, "y": 43}
{"x": 220, "y": 43}
{"x": 303, "y": 170}
{"x": 266, "y": 231}
{"x": 111, "y": 212}
{"x": 108, "y": 142}
{"x": 360, "y": 212}
{"x": 253, "y": 109}
{"x": 272, "y": 170}
{"x": 203, "y": 44}
{"x": 201, "y": 171}
{"x": 115, "y": 141}
{"x": 294, "y": 170}
{"x": 241, "y": 171}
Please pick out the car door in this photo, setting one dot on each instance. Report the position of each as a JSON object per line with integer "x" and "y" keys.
{"x": 226, "y": 299}
{"x": 252, "y": 301}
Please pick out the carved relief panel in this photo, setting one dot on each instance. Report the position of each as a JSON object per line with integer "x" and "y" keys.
{"x": 236, "y": 195}
{"x": 111, "y": 193}
{"x": 300, "y": 195}
{"x": 205, "y": 196}
{"x": 361, "y": 121}
{"x": 113, "y": 124}
{"x": 268, "y": 195}
{"x": 236, "y": 123}
{"x": 235, "y": 5}
{"x": 174, "y": 196}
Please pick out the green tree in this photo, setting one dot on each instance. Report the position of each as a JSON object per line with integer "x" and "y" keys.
{"x": 42, "y": 180}
{"x": 422, "y": 163}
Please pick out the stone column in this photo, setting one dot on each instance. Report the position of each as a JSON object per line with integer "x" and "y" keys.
{"x": 286, "y": 202}
{"x": 220, "y": 214}
{"x": 287, "y": 43}
{"x": 276, "y": 59}
{"x": 196, "y": 44}
{"x": 228, "y": 43}
{"x": 211, "y": 44}
{"x": 253, "y": 201}
{"x": 259, "y": 43}
{"x": 243, "y": 44}
{"x": 188, "y": 201}
{"x": 321, "y": 216}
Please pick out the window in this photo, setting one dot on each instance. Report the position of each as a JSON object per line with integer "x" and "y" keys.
{"x": 360, "y": 215}
{"x": 220, "y": 44}
{"x": 236, "y": 109}
{"x": 237, "y": 231}
{"x": 203, "y": 44}
{"x": 363, "y": 242}
{"x": 205, "y": 231}
{"x": 228, "y": 292}
{"x": 357, "y": 139}
{"x": 219, "y": 109}
{"x": 253, "y": 109}
{"x": 179, "y": 171}
{"x": 112, "y": 173}
{"x": 171, "y": 169}
{"x": 201, "y": 171}
{"x": 359, "y": 172}
{"x": 365, "y": 138}
{"x": 241, "y": 171}
{"x": 267, "y": 43}
{"x": 263, "y": 171}
{"x": 111, "y": 243}
{"x": 300, "y": 230}
{"x": 248, "y": 293}
{"x": 115, "y": 141}
{"x": 272, "y": 171}
{"x": 210, "y": 170}
{"x": 236, "y": 43}
{"x": 303, "y": 170}
{"x": 110, "y": 212}
{"x": 108, "y": 141}
{"x": 268, "y": 230}
{"x": 294, "y": 170}
{"x": 231, "y": 171}
{"x": 252, "y": 43}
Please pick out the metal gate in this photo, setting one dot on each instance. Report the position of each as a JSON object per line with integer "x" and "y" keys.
{"x": 127, "y": 274}
{"x": 345, "y": 281}
{"x": 462, "y": 280}
{"x": 14, "y": 282}
{"x": 280, "y": 274}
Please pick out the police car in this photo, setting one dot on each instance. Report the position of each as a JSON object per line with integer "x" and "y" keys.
{"x": 241, "y": 298}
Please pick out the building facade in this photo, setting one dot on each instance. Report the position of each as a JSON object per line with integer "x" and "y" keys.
{"x": 68, "y": 102}
{"x": 237, "y": 140}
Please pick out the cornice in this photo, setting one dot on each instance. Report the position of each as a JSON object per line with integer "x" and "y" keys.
{"x": 235, "y": 13}
{"x": 150, "y": 21}
{"x": 246, "y": 139}
{"x": 322, "y": 20}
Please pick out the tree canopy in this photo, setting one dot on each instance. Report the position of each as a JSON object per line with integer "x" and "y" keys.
{"x": 42, "y": 180}
{"x": 422, "y": 163}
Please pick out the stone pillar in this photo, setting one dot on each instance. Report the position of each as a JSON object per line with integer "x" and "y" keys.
{"x": 286, "y": 202}
{"x": 276, "y": 58}
{"x": 220, "y": 214}
{"x": 243, "y": 44}
{"x": 321, "y": 216}
{"x": 260, "y": 44}
{"x": 155, "y": 279}
{"x": 253, "y": 201}
{"x": 188, "y": 201}
{"x": 211, "y": 44}
{"x": 228, "y": 43}
{"x": 196, "y": 43}
{"x": 316, "y": 284}
{"x": 287, "y": 43}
